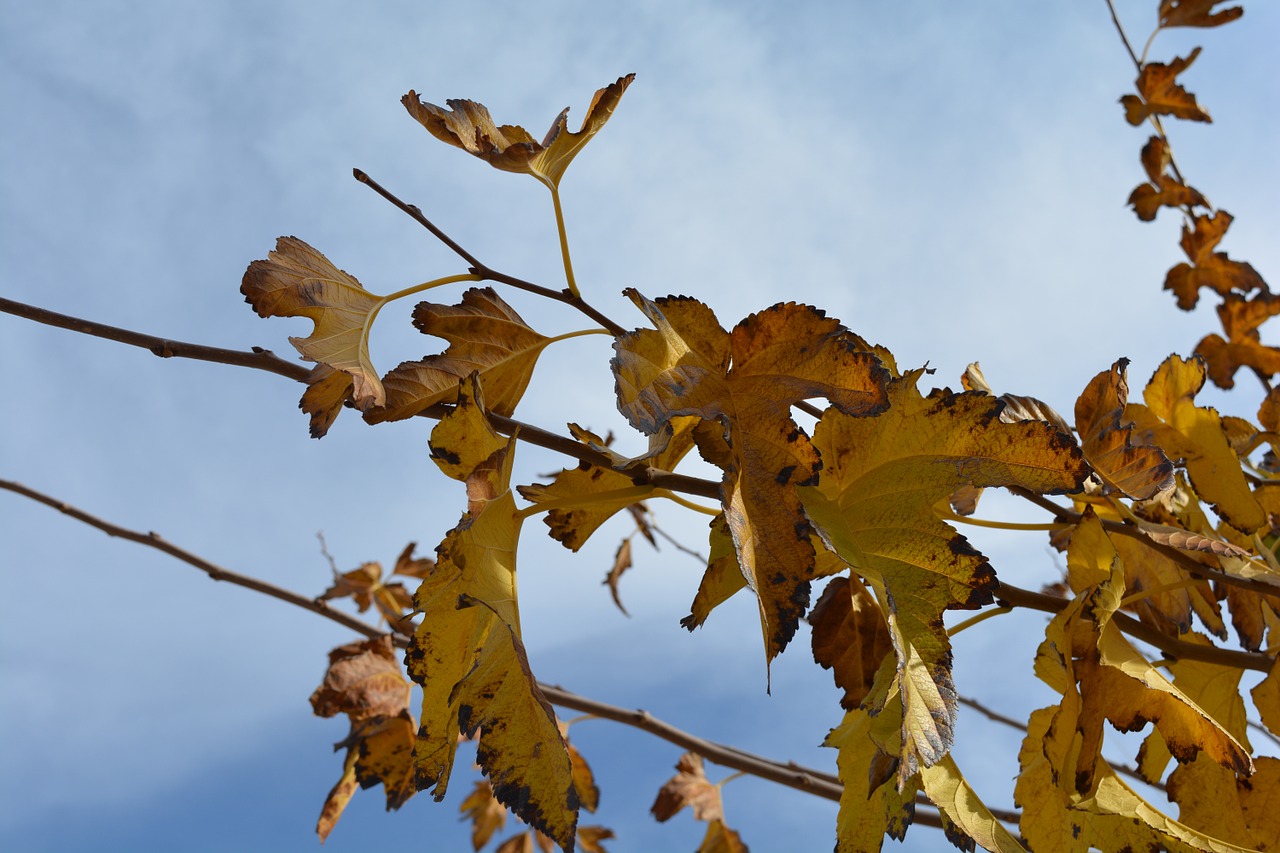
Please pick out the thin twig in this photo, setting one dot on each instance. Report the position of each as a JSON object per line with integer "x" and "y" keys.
{"x": 1115, "y": 19}
{"x": 568, "y": 297}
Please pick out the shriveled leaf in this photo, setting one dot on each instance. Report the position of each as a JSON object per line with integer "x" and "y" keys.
{"x": 621, "y": 562}
{"x": 850, "y": 637}
{"x": 297, "y": 281}
{"x": 327, "y": 393}
{"x": 384, "y": 749}
{"x": 468, "y": 125}
{"x": 363, "y": 681}
{"x": 485, "y": 335}
{"x": 1243, "y": 347}
{"x": 689, "y": 787}
{"x": 1164, "y": 190}
{"x": 1137, "y": 470}
{"x": 1196, "y": 436}
{"x": 410, "y": 566}
{"x": 486, "y": 814}
{"x": 946, "y": 788}
{"x": 366, "y": 586}
{"x": 874, "y": 505}
{"x": 1208, "y": 268}
{"x": 1196, "y": 13}
{"x": 336, "y": 803}
{"x": 748, "y": 381}
{"x": 590, "y": 838}
{"x": 1159, "y": 93}
{"x": 584, "y": 781}
{"x": 871, "y": 806}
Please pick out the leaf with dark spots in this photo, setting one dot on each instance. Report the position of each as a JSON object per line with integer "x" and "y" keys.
{"x": 874, "y": 505}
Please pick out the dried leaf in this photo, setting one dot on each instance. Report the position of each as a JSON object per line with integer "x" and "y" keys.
{"x": 1137, "y": 470}
{"x": 327, "y": 393}
{"x": 850, "y": 637}
{"x": 1214, "y": 270}
{"x": 689, "y": 787}
{"x": 1161, "y": 94}
{"x": 485, "y": 335}
{"x": 363, "y": 681}
{"x": 336, "y": 803}
{"x": 297, "y": 281}
{"x": 1195, "y": 434}
{"x": 589, "y": 838}
{"x": 1164, "y": 190}
{"x": 468, "y": 125}
{"x": 1243, "y": 347}
{"x": 410, "y": 566}
{"x": 1196, "y": 13}
{"x": 748, "y": 381}
{"x": 721, "y": 839}
{"x": 584, "y": 781}
{"x": 486, "y": 814}
{"x": 874, "y": 505}
{"x": 1213, "y": 800}
{"x": 621, "y": 562}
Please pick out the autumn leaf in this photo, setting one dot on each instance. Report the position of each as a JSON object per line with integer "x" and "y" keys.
{"x": 1137, "y": 470}
{"x": 1113, "y": 818}
{"x": 297, "y": 281}
{"x": 747, "y": 381}
{"x": 871, "y": 805}
{"x": 468, "y": 125}
{"x": 467, "y": 653}
{"x": 1213, "y": 800}
{"x": 850, "y": 637}
{"x": 364, "y": 681}
{"x": 365, "y": 586}
{"x": 485, "y": 335}
{"x": 1241, "y": 318}
{"x": 690, "y": 787}
{"x": 486, "y": 814}
{"x": 327, "y": 393}
{"x": 410, "y": 566}
{"x": 1164, "y": 190}
{"x": 1214, "y": 270}
{"x": 1266, "y": 698}
{"x": 1196, "y": 13}
{"x": 621, "y": 562}
{"x": 1195, "y": 435}
{"x": 966, "y": 818}
{"x": 590, "y": 838}
{"x": 874, "y": 506}
{"x": 1159, "y": 93}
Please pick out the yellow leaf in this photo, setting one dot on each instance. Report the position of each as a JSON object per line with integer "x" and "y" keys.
{"x": 486, "y": 814}
{"x": 871, "y": 806}
{"x": 947, "y": 789}
{"x": 723, "y": 578}
{"x": 297, "y": 281}
{"x": 467, "y": 654}
{"x": 748, "y": 381}
{"x": 1057, "y": 820}
{"x": 721, "y": 839}
{"x": 874, "y": 504}
{"x": 464, "y": 441}
{"x": 1266, "y": 698}
{"x": 1215, "y": 801}
{"x": 336, "y": 803}
{"x": 485, "y": 335}
{"x": 468, "y": 125}
{"x": 1195, "y": 434}
{"x": 1138, "y": 471}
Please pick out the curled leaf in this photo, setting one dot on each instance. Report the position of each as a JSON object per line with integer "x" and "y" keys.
{"x": 1241, "y": 318}
{"x": 1214, "y": 270}
{"x": 1159, "y": 93}
{"x": 1137, "y": 470}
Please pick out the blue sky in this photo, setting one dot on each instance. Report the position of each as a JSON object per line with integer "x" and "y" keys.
{"x": 947, "y": 179}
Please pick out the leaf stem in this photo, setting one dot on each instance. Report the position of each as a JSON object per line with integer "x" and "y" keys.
{"x": 687, "y": 504}
{"x": 981, "y": 617}
{"x": 564, "y": 240}
{"x": 408, "y": 291}
{"x": 1003, "y": 525}
{"x": 1157, "y": 590}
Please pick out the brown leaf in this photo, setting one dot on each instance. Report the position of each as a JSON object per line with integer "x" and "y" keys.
{"x": 486, "y": 814}
{"x": 1196, "y": 13}
{"x": 327, "y": 393}
{"x": 363, "y": 681}
{"x": 468, "y": 125}
{"x": 850, "y": 637}
{"x": 584, "y": 781}
{"x": 1208, "y": 268}
{"x": 689, "y": 787}
{"x": 336, "y": 803}
{"x": 1185, "y": 540}
{"x": 1243, "y": 345}
{"x": 1164, "y": 190}
{"x": 1161, "y": 94}
{"x": 748, "y": 381}
{"x": 589, "y": 838}
{"x": 1137, "y": 470}
{"x": 621, "y": 562}
{"x": 297, "y": 281}
{"x": 485, "y": 335}
{"x": 410, "y": 566}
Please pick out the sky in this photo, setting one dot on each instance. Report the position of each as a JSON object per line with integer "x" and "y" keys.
{"x": 947, "y": 179}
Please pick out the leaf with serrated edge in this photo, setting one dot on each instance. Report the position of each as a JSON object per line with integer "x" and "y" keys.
{"x": 946, "y": 788}
{"x": 485, "y": 335}
{"x": 874, "y": 506}
{"x": 297, "y": 281}
{"x": 747, "y": 381}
